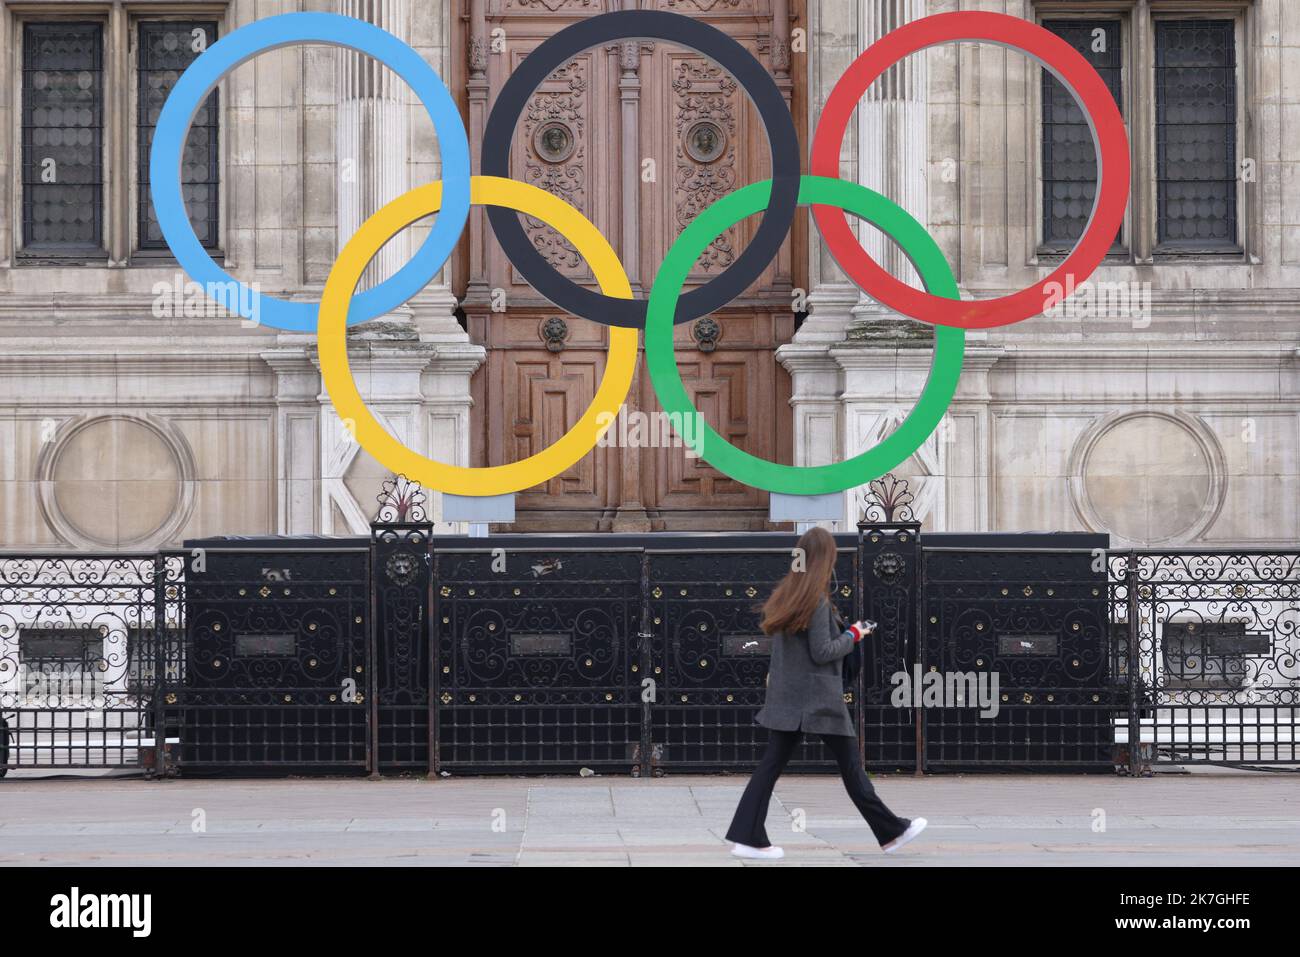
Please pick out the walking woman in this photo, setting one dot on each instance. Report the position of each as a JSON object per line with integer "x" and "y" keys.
{"x": 805, "y": 693}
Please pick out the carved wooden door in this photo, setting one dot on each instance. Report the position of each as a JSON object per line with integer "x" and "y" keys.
{"x": 640, "y": 136}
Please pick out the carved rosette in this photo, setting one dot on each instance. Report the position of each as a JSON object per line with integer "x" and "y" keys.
{"x": 555, "y": 158}
{"x": 552, "y": 5}
{"x": 705, "y": 169}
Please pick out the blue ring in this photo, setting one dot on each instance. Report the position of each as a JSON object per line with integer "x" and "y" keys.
{"x": 207, "y": 71}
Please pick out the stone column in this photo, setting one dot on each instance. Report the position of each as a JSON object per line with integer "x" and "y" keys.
{"x": 373, "y": 132}
{"x": 413, "y": 367}
{"x": 852, "y": 358}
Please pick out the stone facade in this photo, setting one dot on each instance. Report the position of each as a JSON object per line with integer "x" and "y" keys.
{"x": 124, "y": 428}
{"x": 121, "y": 428}
{"x": 1177, "y": 423}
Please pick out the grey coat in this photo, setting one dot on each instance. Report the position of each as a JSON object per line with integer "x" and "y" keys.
{"x": 805, "y": 690}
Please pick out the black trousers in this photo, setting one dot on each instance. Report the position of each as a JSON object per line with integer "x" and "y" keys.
{"x": 747, "y": 827}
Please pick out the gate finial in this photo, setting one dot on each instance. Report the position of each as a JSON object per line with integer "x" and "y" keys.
{"x": 888, "y": 500}
{"x": 400, "y": 501}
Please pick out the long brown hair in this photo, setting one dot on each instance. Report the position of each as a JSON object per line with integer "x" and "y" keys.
{"x": 798, "y": 594}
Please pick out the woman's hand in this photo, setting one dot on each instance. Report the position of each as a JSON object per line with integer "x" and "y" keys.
{"x": 860, "y": 629}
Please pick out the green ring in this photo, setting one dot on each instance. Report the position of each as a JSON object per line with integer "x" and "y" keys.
{"x": 945, "y": 369}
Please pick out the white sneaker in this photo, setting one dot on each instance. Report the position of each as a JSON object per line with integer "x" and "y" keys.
{"x": 913, "y": 829}
{"x": 758, "y": 853}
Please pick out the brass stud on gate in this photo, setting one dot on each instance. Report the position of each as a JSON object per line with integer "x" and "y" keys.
{"x": 471, "y": 591}
{"x": 875, "y": 538}
{"x": 334, "y": 591}
{"x": 1005, "y": 698}
{"x": 286, "y": 591}
{"x": 608, "y": 696}
{"x": 934, "y": 667}
{"x": 703, "y": 627}
{"x": 728, "y": 592}
{"x": 446, "y": 698}
{"x": 288, "y": 698}
{"x": 473, "y": 698}
{"x": 444, "y": 591}
{"x": 704, "y": 662}
{"x": 1027, "y": 591}
{"x": 1027, "y": 698}
{"x": 171, "y": 699}
{"x": 216, "y": 662}
{"x": 492, "y": 626}
{"x": 243, "y": 591}
{"x": 1006, "y": 591}
{"x": 658, "y": 621}
{"x": 751, "y": 591}
{"x": 730, "y": 698}
{"x": 357, "y": 619}
{"x": 334, "y": 697}
{"x": 1051, "y": 698}
{"x": 217, "y": 626}
{"x": 979, "y": 626}
{"x": 358, "y": 669}
{"x": 1096, "y": 698}
{"x": 658, "y": 592}
{"x": 264, "y": 591}
{"x": 683, "y": 592}
{"x": 1051, "y": 592}
{"x": 934, "y": 620}
{"x": 1074, "y": 627}
{"x": 1075, "y": 663}
{"x": 978, "y": 661}
{"x": 519, "y": 697}
{"x": 658, "y": 670}
{"x": 311, "y": 663}
{"x": 683, "y": 698}
{"x": 636, "y": 668}
{"x": 587, "y": 662}
{"x": 518, "y": 592}
{"x": 446, "y": 620}
{"x": 312, "y": 626}
{"x": 446, "y": 669}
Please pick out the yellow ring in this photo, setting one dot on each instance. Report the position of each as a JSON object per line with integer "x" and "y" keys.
{"x": 342, "y": 387}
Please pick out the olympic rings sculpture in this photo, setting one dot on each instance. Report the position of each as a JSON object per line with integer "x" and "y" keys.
{"x": 776, "y": 199}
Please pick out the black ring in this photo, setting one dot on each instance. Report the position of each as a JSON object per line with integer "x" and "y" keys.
{"x": 783, "y": 141}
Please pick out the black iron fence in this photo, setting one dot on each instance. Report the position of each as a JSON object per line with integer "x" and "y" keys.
{"x": 638, "y": 654}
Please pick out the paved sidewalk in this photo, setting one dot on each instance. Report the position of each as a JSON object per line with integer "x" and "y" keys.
{"x": 1173, "y": 820}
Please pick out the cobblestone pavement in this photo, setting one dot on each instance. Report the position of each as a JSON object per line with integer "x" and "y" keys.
{"x": 1206, "y": 818}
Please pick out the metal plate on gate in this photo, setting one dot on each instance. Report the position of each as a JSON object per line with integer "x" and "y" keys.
{"x": 1027, "y": 644}
{"x": 737, "y": 645}
{"x": 541, "y": 644}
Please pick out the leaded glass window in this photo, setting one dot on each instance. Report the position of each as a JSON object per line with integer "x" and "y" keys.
{"x": 1196, "y": 134}
{"x": 1069, "y": 155}
{"x": 166, "y": 48}
{"x": 63, "y": 138}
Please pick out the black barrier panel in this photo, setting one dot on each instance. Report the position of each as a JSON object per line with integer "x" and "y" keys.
{"x": 402, "y": 574}
{"x": 890, "y": 573}
{"x": 1015, "y": 668}
{"x": 275, "y": 668}
{"x": 538, "y": 666}
{"x": 709, "y": 657}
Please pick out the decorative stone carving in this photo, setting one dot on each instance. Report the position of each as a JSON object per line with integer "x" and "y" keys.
{"x": 116, "y": 481}
{"x": 705, "y": 156}
{"x": 556, "y": 159}
{"x": 1148, "y": 477}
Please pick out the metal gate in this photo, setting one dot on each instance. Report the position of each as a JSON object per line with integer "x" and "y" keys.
{"x": 275, "y": 661}
{"x": 539, "y": 662}
{"x": 1015, "y": 655}
{"x": 78, "y": 658}
{"x": 1211, "y": 654}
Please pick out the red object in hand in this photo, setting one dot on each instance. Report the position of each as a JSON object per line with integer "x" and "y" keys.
{"x": 860, "y": 629}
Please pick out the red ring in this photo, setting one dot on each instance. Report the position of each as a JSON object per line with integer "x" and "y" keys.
{"x": 1072, "y": 70}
